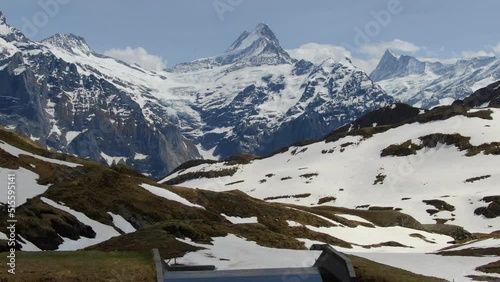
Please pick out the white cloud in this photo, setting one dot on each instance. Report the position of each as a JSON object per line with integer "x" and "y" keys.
{"x": 376, "y": 50}
{"x": 367, "y": 65}
{"x": 317, "y": 53}
{"x": 480, "y": 53}
{"x": 138, "y": 56}
{"x": 496, "y": 48}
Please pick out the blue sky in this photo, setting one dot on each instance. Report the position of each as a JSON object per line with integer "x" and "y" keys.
{"x": 183, "y": 30}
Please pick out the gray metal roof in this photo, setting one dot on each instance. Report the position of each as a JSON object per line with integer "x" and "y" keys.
{"x": 309, "y": 274}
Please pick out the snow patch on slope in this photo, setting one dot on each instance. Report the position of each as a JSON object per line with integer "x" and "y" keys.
{"x": 16, "y": 152}
{"x": 113, "y": 160}
{"x": 103, "y": 232}
{"x": 171, "y": 196}
{"x": 451, "y": 268}
{"x": 349, "y": 174}
{"x": 121, "y": 223}
{"x": 366, "y": 236}
{"x": 27, "y": 246}
{"x": 233, "y": 252}
{"x": 26, "y": 185}
{"x": 241, "y": 220}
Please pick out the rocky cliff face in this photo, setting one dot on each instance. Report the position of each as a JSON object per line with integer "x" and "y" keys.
{"x": 391, "y": 66}
{"x": 71, "y": 109}
{"x": 484, "y": 97}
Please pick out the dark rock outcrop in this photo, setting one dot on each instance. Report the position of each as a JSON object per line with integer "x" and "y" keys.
{"x": 488, "y": 96}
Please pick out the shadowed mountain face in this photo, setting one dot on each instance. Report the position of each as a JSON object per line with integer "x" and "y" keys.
{"x": 75, "y": 108}
{"x": 484, "y": 97}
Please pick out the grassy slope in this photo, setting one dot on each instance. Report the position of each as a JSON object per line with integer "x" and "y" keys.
{"x": 82, "y": 266}
{"x": 95, "y": 189}
{"x": 138, "y": 266}
{"x": 369, "y": 271}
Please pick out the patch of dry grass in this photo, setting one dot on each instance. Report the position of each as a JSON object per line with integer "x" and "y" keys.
{"x": 82, "y": 266}
{"x": 202, "y": 174}
{"x": 493, "y": 267}
{"x": 325, "y": 200}
{"x": 370, "y": 271}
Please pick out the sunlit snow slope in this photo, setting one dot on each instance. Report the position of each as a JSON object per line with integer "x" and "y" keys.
{"x": 437, "y": 168}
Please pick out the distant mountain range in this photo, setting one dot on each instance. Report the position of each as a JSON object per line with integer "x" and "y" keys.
{"x": 254, "y": 98}
{"x": 430, "y": 83}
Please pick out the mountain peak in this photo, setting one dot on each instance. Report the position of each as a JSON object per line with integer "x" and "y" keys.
{"x": 255, "y": 48}
{"x": 4, "y": 27}
{"x": 387, "y": 59}
{"x": 263, "y": 28}
{"x": 258, "y": 47}
{"x": 261, "y": 33}
{"x": 388, "y": 54}
{"x": 69, "y": 42}
{"x": 391, "y": 66}
{"x": 329, "y": 62}
{"x": 9, "y": 33}
{"x": 262, "y": 25}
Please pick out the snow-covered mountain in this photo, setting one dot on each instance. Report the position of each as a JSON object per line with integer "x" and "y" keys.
{"x": 67, "y": 97}
{"x": 256, "y": 99}
{"x": 431, "y": 83}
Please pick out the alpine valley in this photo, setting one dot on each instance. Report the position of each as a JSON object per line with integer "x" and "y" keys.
{"x": 438, "y": 167}
{"x": 244, "y": 160}
{"x": 407, "y": 194}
